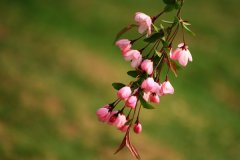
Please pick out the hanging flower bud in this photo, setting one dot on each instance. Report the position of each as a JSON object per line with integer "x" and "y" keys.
{"x": 124, "y": 93}
{"x": 144, "y": 22}
{"x": 166, "y": 88}
{"x": 131, "y": 54}
{"x": 131, "y": 102}
{"x": 137, "y": 128}
{"x": 120, "y": 121}
{"x": 147, "y": 66}
{"x": 148, "y": 84}
{"x": 124, "y": 128}
{"x": 124, "y": 44}
{"x": 182, "y": 54}
{"x": 102, "y": 113}
{"x": 154, "y": 98}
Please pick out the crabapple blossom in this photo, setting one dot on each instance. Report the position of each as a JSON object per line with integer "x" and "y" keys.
{"x": 166, "y": 88}
{"x": 146, "y": 96}
{"x": 144, "y": 21}
{"x": 150, "y": 65}
{"x": 124, "y": 44}
{"x": 154, "y": 98}
{"x": 148, "y": 84}
{"x": 124, "y": 93}
{"x": 124, "y": 128}
{"x": 131, "y": 54}
{"x": 102, "y": 113}
{"x": 131, "y": 102}
{"x": 182, "y": 54}
{"x": 147, "y": 66}
{"x": 137, "y": 128}
{"x": 120, "y": 120}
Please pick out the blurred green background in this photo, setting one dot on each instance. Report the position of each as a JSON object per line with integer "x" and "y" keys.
{"x": 57, "y": 63}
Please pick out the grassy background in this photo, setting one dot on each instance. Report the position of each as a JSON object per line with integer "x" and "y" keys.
{"x": 57, "y": 63}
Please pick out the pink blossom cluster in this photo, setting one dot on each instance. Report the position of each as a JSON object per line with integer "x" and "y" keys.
{"x": 151, "y": 82}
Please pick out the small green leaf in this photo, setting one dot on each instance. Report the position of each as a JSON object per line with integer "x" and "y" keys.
{"x": 186, "y": 23}
{"x": 187, "y": 29}
{"x": 145, "y": 104}
{"x": 155, "y": 28}
{"x": 155, "y": 37}
{"x": 169, "y": 22}
{"x": 133, "y": 74}
{"x": 124, "y": 30}
{"x": 118, "y": 86}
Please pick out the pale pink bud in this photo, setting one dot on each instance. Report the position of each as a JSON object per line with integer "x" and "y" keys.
{"x": 146, "y": 96}
{"x": 144, "y": 21}
{"x": 131, "y": 102}
{"x": 154, "y": 98}
{"x": 182, "y": 54}
{"x": 131, "y": 54}
{"x": 137, "y": 128}
{"x": 167, "y": 88}
{"x": 124, "y": 93}
{"x": 136, "y": 62}
{"x": 148, "y": 84}
{"x": 102, "y": 114}
{"x": 124, "y": 44}
{"x": 120, "y": 121}
{"x": 124, "y": 128}
{"x": 147, "y": 66}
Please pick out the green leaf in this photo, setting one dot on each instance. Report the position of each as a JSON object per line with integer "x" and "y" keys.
{"x": 187, "y": 29}
{"x": 155, "y": 37}
{"x": 169, "y": 22}
{"x": 133, "y": 74}
{"x": 186, "y": 23}
{"x": 155, "y": 28}
{"x": 124, "y": 30}
{"x": 118, "y": 86}
{"x": 169, "y": 1}
{"x": 145, "y": 104}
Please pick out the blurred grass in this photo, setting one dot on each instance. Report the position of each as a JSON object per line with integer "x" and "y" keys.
{"x": 57, "y": 63}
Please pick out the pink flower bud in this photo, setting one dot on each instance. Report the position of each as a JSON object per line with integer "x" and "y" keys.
{"x": 124, "y": 128}
{"x": 136, "y": 62}
{"x": 124, "y": 93}
{"x": 131, "y": 54}
{"x": 182, "y": 54}
{"x": 137, "y": 128}
{"x": 154, "y": 98}
{"x": 124, "y": 44}
{"x": 144, "y": 21}
{"x": 146, "y": 96}
{"x": 147, "y": 66}
{"x": 131, "y": 102}
{"x": 120, "y": 120}
{"x": 167, "y": 88}
{"x": 102, "y": 114}
{"x": 113, "y": 118}
{"x": 148, "y": 84}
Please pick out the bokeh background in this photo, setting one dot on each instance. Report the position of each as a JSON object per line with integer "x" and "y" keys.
{"x": 57, "y": 63}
